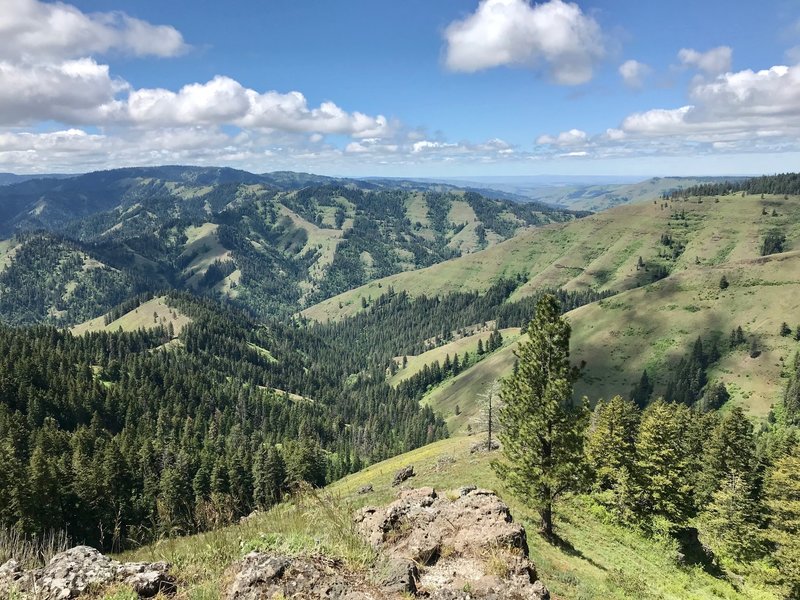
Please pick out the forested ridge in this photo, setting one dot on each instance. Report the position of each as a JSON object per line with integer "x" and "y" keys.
{"x": 217, "y": 232}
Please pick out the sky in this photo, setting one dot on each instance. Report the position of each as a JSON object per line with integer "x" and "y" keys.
{"x": 434, "y": 88}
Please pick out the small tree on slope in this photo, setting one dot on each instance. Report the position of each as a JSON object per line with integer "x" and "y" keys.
{"x": 541, "y": 431}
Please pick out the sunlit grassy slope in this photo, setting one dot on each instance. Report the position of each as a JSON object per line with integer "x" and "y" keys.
{"x": 469, "y": 343}
{"x": 653, "y": 327}
{"x": 595, "y": 560}
{"x": 648, "y": 327}
{"x": 150, "y": 314}
{"x": 600, "y": 251}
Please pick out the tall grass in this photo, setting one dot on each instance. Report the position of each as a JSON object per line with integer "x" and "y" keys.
{"x": 31, "y": 551}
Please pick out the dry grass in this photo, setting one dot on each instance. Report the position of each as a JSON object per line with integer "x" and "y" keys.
{"x": 31, "y": 551}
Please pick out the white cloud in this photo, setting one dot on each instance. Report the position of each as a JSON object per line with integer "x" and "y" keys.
{"x": 76, "y": 91}
{"x": 744, "y": 111}
{"x": 556, "y": 35}
{"x": 31, "y": 30}
{"x": 633, "y": 73}
{"x": 426, "y": 145}
{"x": 573, "y": 137}
{"x": 713, "y": 62}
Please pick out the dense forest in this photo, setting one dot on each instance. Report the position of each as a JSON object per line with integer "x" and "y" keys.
{"x": 121, "y": 437}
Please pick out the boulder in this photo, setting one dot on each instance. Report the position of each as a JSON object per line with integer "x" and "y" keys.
{"x": 468, "y": 543}
{"x": 402, "y": 475}
{"x": 365, "y": 489}
{"x": 70, "y": 573}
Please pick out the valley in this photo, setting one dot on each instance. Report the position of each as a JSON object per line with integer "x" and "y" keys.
{"x": 195, "y": 352}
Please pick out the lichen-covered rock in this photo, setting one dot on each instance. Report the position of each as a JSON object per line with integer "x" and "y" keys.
{"x": 70, "y": 573}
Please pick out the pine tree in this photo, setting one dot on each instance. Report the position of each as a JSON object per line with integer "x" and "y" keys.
{"x": 611, "y": 453}
{"x": 542, "y": 432}
{"x": 782, "y": 493}
{"x": 663, "y": 463}
{"x": 729, "y": 524}
{"x": 791, "y": 396}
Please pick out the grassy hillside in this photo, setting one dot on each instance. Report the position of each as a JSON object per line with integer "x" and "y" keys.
{"x": 468, "y": 343}
{"x": 148, "y": 315}
{"x": 654, "y": 326}
{"x": 594, "y": 561}
{"x": 599, "y": 251}
{"x": 646, "y": 326}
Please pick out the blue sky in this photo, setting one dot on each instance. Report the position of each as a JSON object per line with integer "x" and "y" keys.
{"x": 443, "y": 88}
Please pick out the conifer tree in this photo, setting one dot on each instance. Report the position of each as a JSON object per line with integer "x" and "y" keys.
{"x": 642, "y": 391}
{"x": 663, "y": 463}
{"x": 782, "y": 492}
{"x": 542, "y": 432}
{"x": 611, "y": 453}
{"x": 729, "y": 523}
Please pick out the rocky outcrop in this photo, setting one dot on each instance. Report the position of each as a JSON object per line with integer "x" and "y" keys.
{"x": 70, "y": 573}
{"x": 468, "y": 543}
{"x": 403, "y": 475}
{"x": 465, "y": 546}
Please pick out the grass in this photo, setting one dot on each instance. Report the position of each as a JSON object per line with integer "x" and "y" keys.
{"x": 31, "y": 551}
{"x": 593, "y": 559}
{"x": 598, "y": 251}
{"x": 148, "y": 315}
{"x": 460, "y": 346}
{"x": 203, "y": 244}
{"x": 617, "y": 337}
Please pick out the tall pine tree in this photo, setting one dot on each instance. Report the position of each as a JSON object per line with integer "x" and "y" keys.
{"x": 542, "y": 432}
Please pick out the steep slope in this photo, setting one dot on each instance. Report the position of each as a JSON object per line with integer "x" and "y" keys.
{"x": 600, "y": 251}
{"x": 595, "y": 560}
{"x": 655, "y": 326}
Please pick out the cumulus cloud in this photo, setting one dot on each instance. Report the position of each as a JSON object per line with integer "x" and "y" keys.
{"x": 633, "y": 73}
{"x": 752, "y": 111}
{"x": 713, "y": 62}
{"x": 31, "y": 30}
{"x": 76, "y": 91}
{"x": 427, "y": 145}
{"x": 554, "y": 35}
{"x": 573, "y": 137}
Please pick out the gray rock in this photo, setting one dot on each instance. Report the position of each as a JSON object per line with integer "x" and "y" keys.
{"x": 365, "y": 489}
{"x": 484, "y": 446}
{"x": 399, "y": 577}
{"x": 466, "y": 489}
{"x": 403, "y": 475}
{"x": 70, "y": 573}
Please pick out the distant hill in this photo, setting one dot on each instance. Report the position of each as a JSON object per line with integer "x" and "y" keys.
{"x": 271, "y": 243}
{"x": 12, "y": 178}
{"x": 587, "y": 193}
